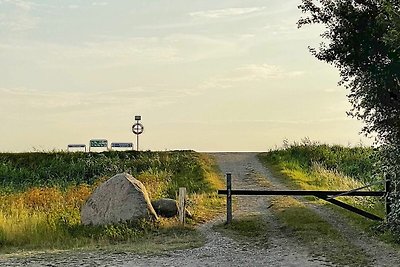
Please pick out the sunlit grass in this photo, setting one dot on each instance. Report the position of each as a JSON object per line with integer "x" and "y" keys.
{"x": 41, "y": 217}
{"x": 251, "y": 228}
{"x": 317, "y": 234}
{"x": 305, "y": 167}
{"x": 48, "y": 217}
{"x": 319, "y": 178}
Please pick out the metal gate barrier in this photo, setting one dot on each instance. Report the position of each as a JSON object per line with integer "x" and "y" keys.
{"x": 325, "y": 195}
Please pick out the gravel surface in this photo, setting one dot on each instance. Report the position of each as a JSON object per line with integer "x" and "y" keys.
{"x": 220, "y": 250}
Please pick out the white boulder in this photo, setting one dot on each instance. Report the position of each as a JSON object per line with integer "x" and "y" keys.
{"x": 122, "y": 198}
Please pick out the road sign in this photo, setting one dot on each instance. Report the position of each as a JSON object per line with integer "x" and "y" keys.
{"x": 121, "y": 144}
{"x": 98, "y": 143}
{"x": 137, "y": 128}
{"x": 76, "y": 145}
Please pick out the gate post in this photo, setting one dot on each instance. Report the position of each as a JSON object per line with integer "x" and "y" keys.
{"x": 228, "y": 198}
{"x": 387, "y": 196}
{"x": 182, "y": 204}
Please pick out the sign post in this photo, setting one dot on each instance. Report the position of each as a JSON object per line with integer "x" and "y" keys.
{"x": 76, "y": 146}
{"x": 98, "y": 143}
{"x": 122, "y": 145}
{"x": 137, "y": 129}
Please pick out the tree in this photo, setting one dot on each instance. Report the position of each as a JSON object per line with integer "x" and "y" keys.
{"x": 362, "y": 39}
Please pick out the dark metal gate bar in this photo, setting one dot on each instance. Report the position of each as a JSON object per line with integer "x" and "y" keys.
{"x": 325, "y": 195}
{"x": 315, "y": 193}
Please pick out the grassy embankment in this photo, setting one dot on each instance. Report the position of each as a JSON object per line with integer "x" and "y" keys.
{"x": 324, "y": 167}
{"x": 41, "y": 195}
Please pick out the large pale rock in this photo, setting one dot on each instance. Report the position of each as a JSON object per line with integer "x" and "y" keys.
{"x": 121, "y": 198}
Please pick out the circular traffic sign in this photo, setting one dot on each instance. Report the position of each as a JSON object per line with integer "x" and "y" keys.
{"x": 137, "y": 128}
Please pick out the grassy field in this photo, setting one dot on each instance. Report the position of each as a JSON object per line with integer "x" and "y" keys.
{"x": 325, "y": 167}
{"x": 318, "y": 235}
{"x": 310, "y": 166}
{"x": 355, "y": 162}
{"x": 41, "y": 195}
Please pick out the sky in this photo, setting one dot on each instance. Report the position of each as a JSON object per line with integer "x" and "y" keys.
{"x": 204, "y": 75}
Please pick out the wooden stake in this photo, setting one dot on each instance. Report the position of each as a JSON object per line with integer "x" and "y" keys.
{"x": 182, "y": 204}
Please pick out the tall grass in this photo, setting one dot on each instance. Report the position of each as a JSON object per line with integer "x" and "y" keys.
{"x": 41, "y": 194}
{"x": 356, "y": 162}
{"x": 313, "y": 166}
{"x": 321, "y": 238}
{"x": 19, "y": 171}
{"x": 40, "y": 217}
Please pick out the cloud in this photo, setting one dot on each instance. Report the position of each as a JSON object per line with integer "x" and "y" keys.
{"x": 19, "y": 4}
{"x": 271, "y": 122}
{"x": 61, "y": 101}
{"x": 73, "y": 6}
{"x": 108, "y": 52}
{"x": 25, "y": 5}
{"x": 99, "y": 3}
{"x": 18, "y": 23}
{"x": 250, "y": 73}
{"x": 226, "y": 12}
{"x": 254, "y": 72}
{"x": 257, "y": 72}
{"x": 16, "y": 17}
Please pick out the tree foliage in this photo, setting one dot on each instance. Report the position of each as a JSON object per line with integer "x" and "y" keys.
{"x": 363, "y": 43}
{"x": 362, "y": 40}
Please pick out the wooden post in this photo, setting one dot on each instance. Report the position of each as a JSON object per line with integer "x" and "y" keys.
{"x": 387, "y": 197}
{"x": 228, "y": 198}
{"x": 182, "y": 204}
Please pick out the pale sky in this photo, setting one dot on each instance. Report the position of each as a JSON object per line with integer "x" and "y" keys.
{"x": 204, "y": 75}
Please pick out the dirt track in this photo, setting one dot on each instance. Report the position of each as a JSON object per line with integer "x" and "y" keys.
{"x": 220, "y": 250}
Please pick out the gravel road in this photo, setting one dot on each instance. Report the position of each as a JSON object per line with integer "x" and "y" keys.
{"x": 220, "y": 250}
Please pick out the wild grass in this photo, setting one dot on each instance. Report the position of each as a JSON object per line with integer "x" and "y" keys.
{"x": 356, "y": 162}
{"x": 252, "y": 228}
{"x": 322, "y": 167}
{"x": 19, "y": 171}
{"x": 205, "y": 205}
{"x": 317, "y": 234}
{"x": 41, "y": 210}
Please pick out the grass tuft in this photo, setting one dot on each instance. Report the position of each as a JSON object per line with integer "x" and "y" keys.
{"x": 250, "y": 228}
